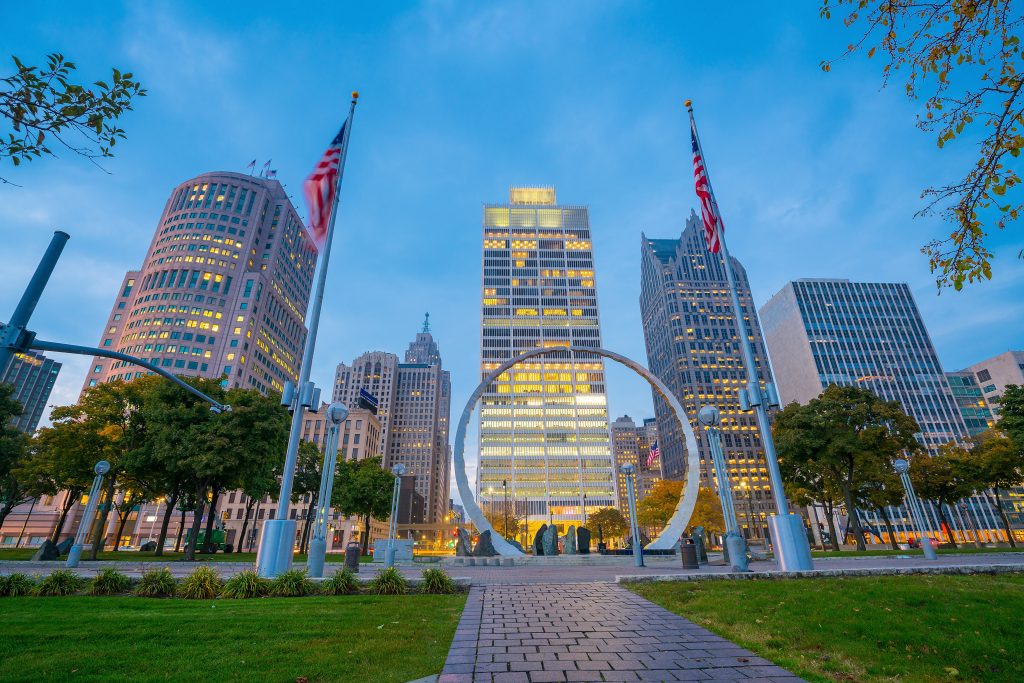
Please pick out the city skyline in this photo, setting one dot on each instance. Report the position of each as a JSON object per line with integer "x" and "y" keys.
{"x": 775, "y": 171}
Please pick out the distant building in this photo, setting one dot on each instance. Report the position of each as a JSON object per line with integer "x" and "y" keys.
{"x": 632, "y": 444}
{"x": 692, "y": 346}
{"x": 974, "y": 409}
{"x": 32, "y": 375}
{"x": 996, "y": 373}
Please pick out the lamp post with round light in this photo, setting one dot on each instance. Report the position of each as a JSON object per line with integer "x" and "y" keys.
{"x": 914, "y": 510}
{"x": 75, "y": 554}
{"x": 629, "y": 471}
{"x": 389, "y": 555}
{"x": 336, "y": 414}
{"x": 735, "y": 544}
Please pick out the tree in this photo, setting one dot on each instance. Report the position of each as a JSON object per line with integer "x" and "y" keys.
{"x": 657, "y": 507}
{"x": 610, "y": 521}
{"x": 41, "y": 105}
{"x": 708, "y": 512}
{"x": 362, "y": 488}
{"x": 845, "y": 436}
{"x": 1000, "y": 461}
{"x": 807, "y": 482}
{"x": 965, "y": 58}
{"x": 878, "y": 492}
{"x": 308, "y": 466}
{"x": 944, "y": 479}
{"x": 505, "y": 522}
{"x": 62, "y": 458}
{"x": 1011, "y": 414}
{"x": 13, "y": 449}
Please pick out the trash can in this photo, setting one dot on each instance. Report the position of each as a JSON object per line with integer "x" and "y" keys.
{"x": 688, "y": 553}
{"x": 353, "y": 551}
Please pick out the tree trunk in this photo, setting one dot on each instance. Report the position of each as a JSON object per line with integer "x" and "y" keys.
{"x": 99, "y": 535}
{"x": 830, "y": 513}
{"x": 181, "y": 532}
{"x": 245, "y": 524}
{"x": 888, "y": 527}
{"x": 122, "y": 520}
{"x": 943, "y": 522}
{"x": 165, "y": 524}
{"x": 24, "y": 526}
{"x": 851, "y": 512}
{"x": 69, "y": 502}
{"x": 197, "y": 519}
{"x": 1002, "y": 516}
{"x": 304, "y": 543}
{"x": 208, "y": 546}
{"x": 5, "y": 510}
{"x": 366, "y": 535}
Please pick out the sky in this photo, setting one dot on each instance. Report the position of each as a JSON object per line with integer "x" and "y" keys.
{"x": 817, "y": 174}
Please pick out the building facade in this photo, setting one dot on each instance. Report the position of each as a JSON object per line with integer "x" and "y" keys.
{"x": 995, "y": 374}
{"x": 631, "y": 443}
{"x": 692, "y": 346}
{"x": 974, "y": 409}
{"x": 544, "y": 439}
{"x": 32, "y": 375}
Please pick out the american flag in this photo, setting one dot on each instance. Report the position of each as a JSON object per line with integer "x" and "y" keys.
{"x": 654, "y": 454}
{"x": 320, "y": 187}
{"x": 707, "y": 206}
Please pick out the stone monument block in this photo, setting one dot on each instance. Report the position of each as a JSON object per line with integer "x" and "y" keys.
{"x": 570, "y": 540}
{"x": 538, "y": 540}
{"x": 551, "y": 540}
{"x": 583, "y": 540}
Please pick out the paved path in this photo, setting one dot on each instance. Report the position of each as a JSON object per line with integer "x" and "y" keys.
{"x": 589, "y": 632}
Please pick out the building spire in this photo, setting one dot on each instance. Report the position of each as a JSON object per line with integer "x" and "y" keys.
{"x": 426, "y": 323}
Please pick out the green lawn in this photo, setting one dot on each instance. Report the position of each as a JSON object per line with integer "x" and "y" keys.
{"x": 135, "y": 556}
{"x": 964, "y": 550}
{"x": 887, "y": 628}
{"x": 345, "y": 638}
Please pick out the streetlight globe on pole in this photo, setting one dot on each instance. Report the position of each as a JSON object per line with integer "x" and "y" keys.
{"x": 84, "y": 526}
{"x": 389, "y": 554}
{"x": 336, "y": 414}
{"x": 735, "y": 544}
{"x": 914, "y": 509}
{"x": 629, "y": 470}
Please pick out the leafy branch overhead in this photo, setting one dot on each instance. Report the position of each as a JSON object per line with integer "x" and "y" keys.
{"x": 42, "y": 109}
{"x": 963, "y": 57}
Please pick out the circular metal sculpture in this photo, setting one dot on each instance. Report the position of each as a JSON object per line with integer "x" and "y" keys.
{"x": 684, "y": 510}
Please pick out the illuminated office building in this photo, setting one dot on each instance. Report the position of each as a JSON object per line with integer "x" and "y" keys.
{"x": 631, "y": 444}
{"x": 544, "y": 440}
{"x": 32, "y": 375}
{"x": 690, "y": 334}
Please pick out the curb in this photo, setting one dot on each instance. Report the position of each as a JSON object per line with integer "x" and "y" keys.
{"x": 830, "y": 573}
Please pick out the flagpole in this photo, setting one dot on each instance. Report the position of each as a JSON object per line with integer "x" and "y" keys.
{"x": 275, "y": 554}
{"x": 791, "y": 548}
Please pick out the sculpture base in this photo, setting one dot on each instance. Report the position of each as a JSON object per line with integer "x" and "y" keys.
{"x": 74, "y": 555}
{"x": 317, "y": 556}
{"x": 276, "y": 548}
{"x": 789, "y": 541}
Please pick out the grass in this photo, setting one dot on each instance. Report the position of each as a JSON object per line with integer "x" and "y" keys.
{"x": 966, "y": 550}
{"x": 323, "y": 639}
{"x": 135, "y": 556}
{"x": 887, "y": 628}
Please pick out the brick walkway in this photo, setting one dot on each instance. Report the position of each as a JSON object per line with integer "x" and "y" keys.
{"x": 588, "y": 632}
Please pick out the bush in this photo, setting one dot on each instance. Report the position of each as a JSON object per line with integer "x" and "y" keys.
{"x": 389, "y": 581}
{"x": 342, "y": 583}
{"x": 16, "y": 584}
{"x": 437, "y": 581}
{"x": 157, "y": 583}
{"x": 110, "y": 582}
{"x": 60, "y": 582}
{"x": 202, "y": 584}
{"x": 292, "y": 584}
{"x": 247, "y": 584}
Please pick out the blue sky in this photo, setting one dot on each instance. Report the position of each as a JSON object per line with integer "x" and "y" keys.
{"x": 817, "y": 175}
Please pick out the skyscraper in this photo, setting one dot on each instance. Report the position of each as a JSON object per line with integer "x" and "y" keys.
{"x": 974, "y": 409}
{"x": 865, "y": 334}
{"x": 544, "y": 440}
{"x": 32, "y": 375}
{"x": 690, "y": 334}
{"x": 996, "y": 373}
{"x": 631, "y": 443}
{"x": 222, "y": 290}
{"x": 414, "y": 406}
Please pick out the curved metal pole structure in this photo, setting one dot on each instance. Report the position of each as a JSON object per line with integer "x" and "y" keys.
{"x": 90, "y": 351}
{"x": 684, "y": 510}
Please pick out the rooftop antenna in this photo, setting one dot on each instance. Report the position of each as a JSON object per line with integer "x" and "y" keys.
{"x": 426, "y": 323}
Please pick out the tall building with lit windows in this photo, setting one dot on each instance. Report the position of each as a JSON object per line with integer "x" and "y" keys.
{"x": 544, "y": 440}
{"x": 690, "y": 334}
{"x": 222, "y": 291}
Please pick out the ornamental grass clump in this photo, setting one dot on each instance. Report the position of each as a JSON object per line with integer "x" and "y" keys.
{"x": 60, "y": 582}
{"x": 202, "y": 584}
{"x": 157, "y": 583}
{"x": 437, "y": 581}
{"x": 292, "y": 584}
{"x": 247, "y": 584}
{"x": 16, "y": 585}
{"x": 389, "y": 581}
{"x": 110, "y": 582}
{"x": 343, "y": 582}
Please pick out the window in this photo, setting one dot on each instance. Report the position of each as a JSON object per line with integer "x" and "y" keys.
{"x": 984, "y": 376}
{"x": 98, "y": 368}
{"x": 990, "y": 388}
{"x": 106, "y": 342}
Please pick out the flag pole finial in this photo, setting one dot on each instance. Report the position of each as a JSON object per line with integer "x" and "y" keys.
{"x": 689, "y": 104}
{"x": 355, "y": 94}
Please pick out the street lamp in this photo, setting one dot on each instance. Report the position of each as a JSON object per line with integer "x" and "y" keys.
{"x": 336, "y": 414}
{"x": 735, "y": 544}
{"x": 75, "y": 554}
{"x": 629, "y": 470}
{"x": 504, "y": 490}
{"x": 584, "y": 509}
{"x": 914, "y": 511}
{"x": 389, "y": 555}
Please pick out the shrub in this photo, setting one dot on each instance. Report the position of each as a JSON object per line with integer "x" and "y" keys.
{"x": 60, "y": 582}
{"x": 437, "y": 581}
{"x": 389, "y": 581}
{"x": 16, "y": 584}
{"x": 292, "y": 584}
{"x": 342, "y": 583}
{"x": 110, "y": 582}
{"x": 156, "y": 583}
{"x": 202, "y": 584}
{"x": 247, "y": 584}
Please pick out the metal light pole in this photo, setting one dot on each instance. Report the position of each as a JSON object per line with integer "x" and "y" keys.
{"x": 629, "y": 470}
{"x": 584, "y": 510}
{"x": 336, "y": 414}
{"x": 914, "y": 511}
{"x": 278, "y": 542}
{"x": 504, "y": 490}
{"x": 735, "y": 544}
{"x": 75, "y": 554}
{"x": 389, "y": 555}
{"x": 787, "y": 529}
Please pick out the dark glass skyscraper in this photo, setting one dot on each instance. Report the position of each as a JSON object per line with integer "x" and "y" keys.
{"x": 32, "y": 375}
